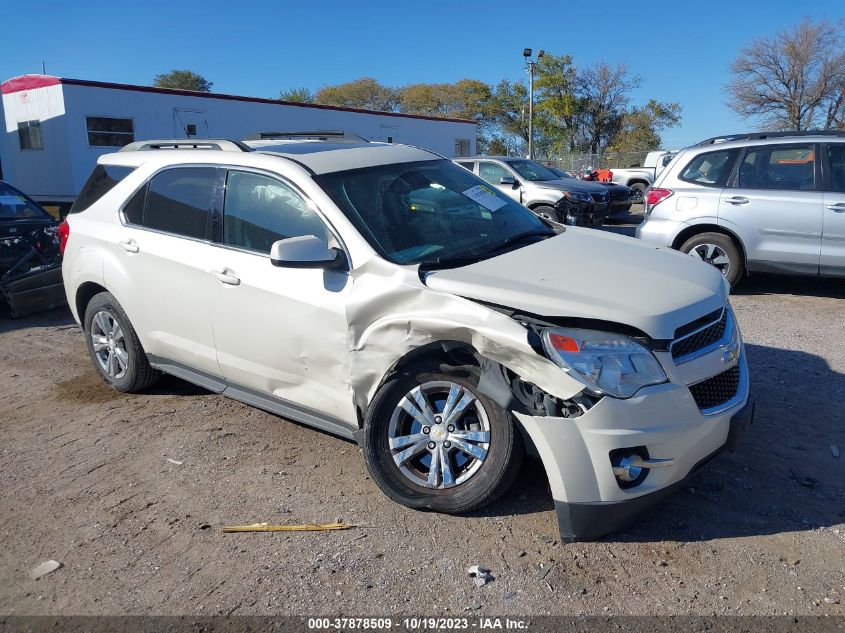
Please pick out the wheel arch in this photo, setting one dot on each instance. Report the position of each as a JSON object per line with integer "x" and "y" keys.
{"x": 86, "y": 291}
{"x": 696, "y": 229}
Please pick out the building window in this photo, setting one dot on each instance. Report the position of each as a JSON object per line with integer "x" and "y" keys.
{"x": 109, "y": 131}
{"x": 29, "y": 135}
{"x": 191, "y": 130}
{"x": 461, "y": 147}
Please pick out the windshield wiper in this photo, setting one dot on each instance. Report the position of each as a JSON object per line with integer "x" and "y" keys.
{"x": 516, "y": 239}
{"x": 451, "y": 262}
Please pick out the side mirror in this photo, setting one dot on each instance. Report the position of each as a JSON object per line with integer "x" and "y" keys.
{"x": 306, "y": 251}
{"x": 508, "y": 180}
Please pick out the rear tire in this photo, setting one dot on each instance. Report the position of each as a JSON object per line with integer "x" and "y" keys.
{"x": 639, "y": 192}
{"x": 114, "y": 347}
{"x": 470, "y": 480}
{"x": 720, "y": 251}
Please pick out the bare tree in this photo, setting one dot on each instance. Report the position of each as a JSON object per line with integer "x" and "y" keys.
{"x": 794, "y": 80}
{"x": 604, "y": 90}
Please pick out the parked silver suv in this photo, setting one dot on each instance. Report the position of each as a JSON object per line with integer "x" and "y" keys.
{"x": 537, "y": 187}
{"x": 766, "y": 202}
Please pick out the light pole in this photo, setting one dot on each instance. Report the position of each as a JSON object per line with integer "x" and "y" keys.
{"x": 530, "y": 63}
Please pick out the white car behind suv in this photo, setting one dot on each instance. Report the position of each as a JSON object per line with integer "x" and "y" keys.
{"x": 383, "y": 294}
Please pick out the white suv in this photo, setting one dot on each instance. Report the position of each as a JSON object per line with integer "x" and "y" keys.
{"x": 383, "y": 294}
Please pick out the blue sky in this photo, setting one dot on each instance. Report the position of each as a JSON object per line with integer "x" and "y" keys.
{"x": 680, "y": 50}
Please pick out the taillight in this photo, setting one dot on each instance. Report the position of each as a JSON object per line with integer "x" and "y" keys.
{"x": 64, "y": 233}
{"x": 655, "y": 197}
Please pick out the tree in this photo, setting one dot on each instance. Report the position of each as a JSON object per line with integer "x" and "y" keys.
{"x": 366, "y": 93}
{"x": 604, "y": 90}
{"x": 297, "y": 95}
{"x": 794, "y": 80}
{"x": 640, "y": 128}
{"x": 183, "y": 80}
{"x": 510, "y": 116}
{"x": 558, "y": 108}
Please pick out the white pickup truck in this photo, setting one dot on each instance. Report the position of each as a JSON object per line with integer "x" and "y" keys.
{"x": 640, "y": 178}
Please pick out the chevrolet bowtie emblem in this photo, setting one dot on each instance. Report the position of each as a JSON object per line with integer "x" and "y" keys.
{"x": 731, "y": 354}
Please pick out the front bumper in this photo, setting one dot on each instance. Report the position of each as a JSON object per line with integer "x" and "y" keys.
{"x": 587, "y": 521}
{"x": 664, "y": 419}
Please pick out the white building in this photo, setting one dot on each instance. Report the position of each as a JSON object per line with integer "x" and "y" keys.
{"x": 56, "y": 128}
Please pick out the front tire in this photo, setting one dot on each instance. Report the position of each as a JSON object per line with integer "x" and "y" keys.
{"x": 432, "y": 441}
{"x": 547, "y": 213}
{"x": 114, "y": 347}
{"x": 719, "y": 250}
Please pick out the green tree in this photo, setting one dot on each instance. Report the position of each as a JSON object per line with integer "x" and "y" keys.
{"x": 558, "y": 108}
{"x": 510, "y": 116}
{"x": 366, "y": 93}
{"x": 297, "y": 95}
{"x": 794, "y": 80}
{"x": 640, "y": 128}
{"x": 183, "y": 80}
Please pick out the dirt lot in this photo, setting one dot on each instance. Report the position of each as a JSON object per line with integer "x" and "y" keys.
{"x": 85, "y": 480}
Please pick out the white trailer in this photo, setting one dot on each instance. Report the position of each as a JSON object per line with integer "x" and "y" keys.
{"x": 55, "y": 128}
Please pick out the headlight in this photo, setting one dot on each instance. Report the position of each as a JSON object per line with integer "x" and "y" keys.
{"x": 605, "y": 362}
{"x": 577, "y": 196}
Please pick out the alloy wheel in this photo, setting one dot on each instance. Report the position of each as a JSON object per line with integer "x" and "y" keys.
{"x": 714, "y": 255}
{"x": 109, "y": 343}
{"x": 439, "y": 435}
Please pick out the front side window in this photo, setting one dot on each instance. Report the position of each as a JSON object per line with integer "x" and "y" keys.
{"x": 16, "y": 206}
{"x": 770, "y": 167}
{"x": 429, "y": 211}
{"x": 106, "y": 131}
{"x": 260, "y": 210}
{"x": 711, "y": 169}
{"x": 532, "y": 170}
{"x": 176, "y": 201}
{"x": 29, "y": 135}
{"x": 493, "y": 172}
{"x": 836, "y": 159}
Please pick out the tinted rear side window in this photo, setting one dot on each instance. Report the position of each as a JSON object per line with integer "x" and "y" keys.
{"x": 711, "y": 169}
{"x": 102, "y": 180}
{"x": 179, "y": 201}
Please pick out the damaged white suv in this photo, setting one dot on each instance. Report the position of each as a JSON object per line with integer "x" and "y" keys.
{"x": 386, "y": 295}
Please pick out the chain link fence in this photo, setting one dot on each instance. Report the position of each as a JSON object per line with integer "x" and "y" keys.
{"x": 579, "y": 163}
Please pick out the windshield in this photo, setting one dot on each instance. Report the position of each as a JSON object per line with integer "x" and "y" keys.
{"x": 531, "y": 170}
{"x": 562, "y": 175}
{"x": 16, "y": 206}
{"x": 429, "y": 211}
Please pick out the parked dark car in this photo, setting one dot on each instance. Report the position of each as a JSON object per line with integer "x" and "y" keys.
{"x": 30, "y": 262}
{"x": 621, "y": 197}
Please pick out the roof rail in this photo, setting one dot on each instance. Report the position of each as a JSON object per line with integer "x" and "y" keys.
{"x": 758, "y": 136}
{"x": 223, "y": 145}
{"x": 338, "y": 136}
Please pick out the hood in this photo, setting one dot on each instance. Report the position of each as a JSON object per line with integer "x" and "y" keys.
{"x": 570, "y": 184}
{"x": 589, "y": 274}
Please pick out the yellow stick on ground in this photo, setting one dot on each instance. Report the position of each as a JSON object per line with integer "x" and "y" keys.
{"x": 264, "y": 527}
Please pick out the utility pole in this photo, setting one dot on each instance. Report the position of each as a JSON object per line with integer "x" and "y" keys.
{"x": 531, "y": 63}
{"x": 43, "y": 68}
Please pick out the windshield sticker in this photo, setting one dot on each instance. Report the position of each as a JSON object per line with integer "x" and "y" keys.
{"x": 12, "y": 201}
{"x": 486, "y": 197}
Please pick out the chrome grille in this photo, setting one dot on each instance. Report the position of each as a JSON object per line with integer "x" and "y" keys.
{"x": 717, "y": 390}
{"x": 707, "y": 336}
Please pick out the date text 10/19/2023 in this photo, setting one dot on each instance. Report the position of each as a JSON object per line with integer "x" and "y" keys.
{"x": 416, "y": 624}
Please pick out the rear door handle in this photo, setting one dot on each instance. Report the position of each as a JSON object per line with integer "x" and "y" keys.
{"x": 839, "y": 207}
{"x": 130, "y": 246}
{"x": 226, "y": 276}
{"x": 737, "y": 200}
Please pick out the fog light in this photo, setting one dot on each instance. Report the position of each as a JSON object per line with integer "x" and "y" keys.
{"x": 629, "y": 468}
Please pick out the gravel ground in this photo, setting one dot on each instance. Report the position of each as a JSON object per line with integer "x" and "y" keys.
{"x": 85, "y": 480}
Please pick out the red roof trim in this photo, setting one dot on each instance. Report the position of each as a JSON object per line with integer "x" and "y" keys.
{"x": 32, "y": 81}
{"x": 28, "y": 82}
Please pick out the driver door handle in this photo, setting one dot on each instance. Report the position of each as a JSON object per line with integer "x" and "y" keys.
{"x": 130, "y": 246}
{"x": 226, "y": 276}
{"x": 737, "y": 200}
{"x": 839, "y": 207}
